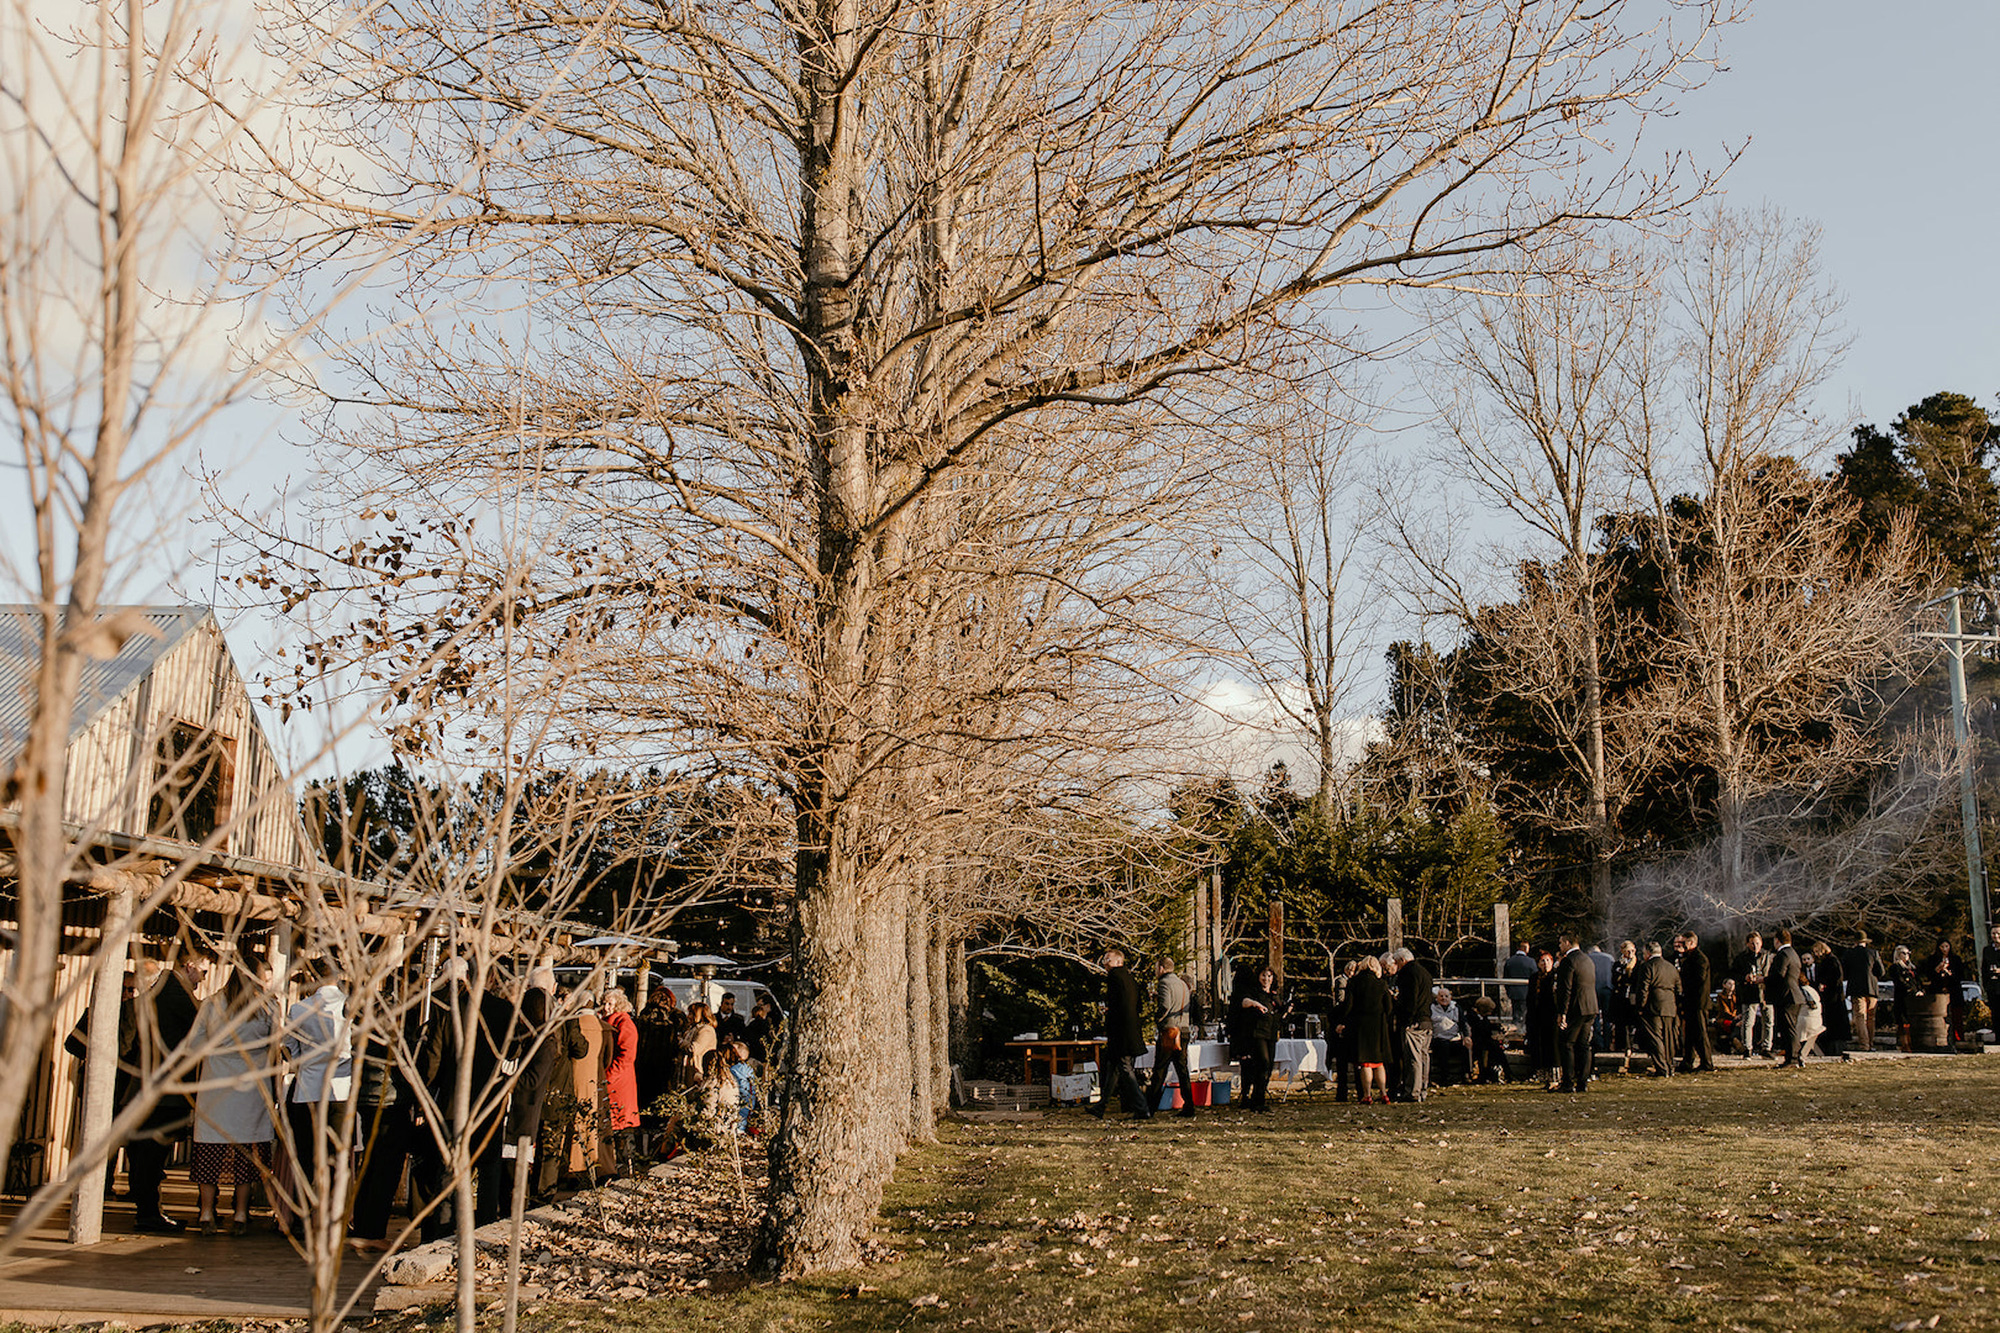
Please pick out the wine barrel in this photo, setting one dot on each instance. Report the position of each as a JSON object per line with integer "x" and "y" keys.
{"x": 1930, "y": 1023}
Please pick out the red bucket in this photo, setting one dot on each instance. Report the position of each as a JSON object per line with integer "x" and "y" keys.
{"x": 1199, "y": 1091}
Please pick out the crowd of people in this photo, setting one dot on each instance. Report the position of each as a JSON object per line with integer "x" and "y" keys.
{"x": 1670, "y": 1007}
{"x": 1664, "y": 1007}
{"x": 454, "y": 1079}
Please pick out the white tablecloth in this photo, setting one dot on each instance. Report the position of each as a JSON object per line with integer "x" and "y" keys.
{"x": 1297, "y": 1055}
{"x": 1301, "y": 1055}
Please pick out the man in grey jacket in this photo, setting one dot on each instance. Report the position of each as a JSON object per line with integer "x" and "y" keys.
{"x": 1783, "y": 987}
{"x": 1170, "y": 1035}
{"x": 1660, "y": 982}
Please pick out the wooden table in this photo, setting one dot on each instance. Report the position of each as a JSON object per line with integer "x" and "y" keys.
{"x": 1057, "y": 1057}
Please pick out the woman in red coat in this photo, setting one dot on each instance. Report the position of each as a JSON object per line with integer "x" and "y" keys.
{"x": 621, "y": 1078}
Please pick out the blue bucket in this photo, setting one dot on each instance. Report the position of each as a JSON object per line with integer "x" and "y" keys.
{"x": 1220, "y": 1095}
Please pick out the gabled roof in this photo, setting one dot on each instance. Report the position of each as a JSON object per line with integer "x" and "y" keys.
{"x": 104, "y": 681}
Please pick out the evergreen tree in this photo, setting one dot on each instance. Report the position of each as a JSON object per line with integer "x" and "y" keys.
{"x": 1935, "y": 463}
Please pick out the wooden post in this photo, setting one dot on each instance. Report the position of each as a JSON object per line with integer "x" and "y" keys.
{"x": 1503, "y": 931}
{"x": 1395, "y": 924}
{"x": 1198, "y": 939}
{"x": 1274, "y": 940}
{"x": 1217, "y": 949}
{"x": 100, "y": 1064}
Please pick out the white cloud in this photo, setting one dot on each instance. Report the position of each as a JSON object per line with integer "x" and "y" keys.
{"x": 1242, "y": 730}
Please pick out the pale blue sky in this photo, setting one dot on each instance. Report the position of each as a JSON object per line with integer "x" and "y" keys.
{"x": 1876, "y": 119}
{"x": 1873, "y": 118}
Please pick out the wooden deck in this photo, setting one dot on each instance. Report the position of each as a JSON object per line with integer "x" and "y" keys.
{"x": 157, "y": 1279}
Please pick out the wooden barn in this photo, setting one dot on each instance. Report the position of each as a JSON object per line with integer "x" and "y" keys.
{"x": 188, "y": 835}
{"x": 168, "y": 766}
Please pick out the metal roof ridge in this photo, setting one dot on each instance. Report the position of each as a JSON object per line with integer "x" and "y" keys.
{"x": 182, "y": 621}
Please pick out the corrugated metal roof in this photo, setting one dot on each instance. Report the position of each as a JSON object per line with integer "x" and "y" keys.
{"x": 103, "y": 680}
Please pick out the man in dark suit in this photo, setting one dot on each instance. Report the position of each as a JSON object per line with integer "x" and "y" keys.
{"x": 456, "y": 1030}
{"x": 1660, "y": 983}
{"x": 1697, "y": 1051}
{"x": 1782, "y": 989}
{"x": 1576, "y": 1014}
{"x": 1123, "y": 1038}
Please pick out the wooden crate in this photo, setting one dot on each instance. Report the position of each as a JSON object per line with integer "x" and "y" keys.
{"x": 986, "y": 1095}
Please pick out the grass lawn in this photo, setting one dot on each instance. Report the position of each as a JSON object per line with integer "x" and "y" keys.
{"x": 1843, "y": 1196}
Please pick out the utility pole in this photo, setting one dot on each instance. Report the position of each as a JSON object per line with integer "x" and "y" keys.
{"x": 1956, "y": 640}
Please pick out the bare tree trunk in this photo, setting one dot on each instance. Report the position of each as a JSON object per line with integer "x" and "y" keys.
{"x": 923, "y": 1114}
{"x": 523, "y": 1157}
{"x": 820, "y": 1190}
{"x": 940, "y": 1002}
{"x": 1603, "y": 834}
{"x": 958, "y": 978}
{"x": 823, "y": 1185}
{"x": 890, "y": 1103}
{"x": 467, "y": 1309}
{"x": 1274, "y": 939}
{"x": 1728, "y": 791}
{"x": 42, "y": 847}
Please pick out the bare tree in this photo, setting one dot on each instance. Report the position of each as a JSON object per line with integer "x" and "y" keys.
{"x": 125, "y": 301}
{"x": 1868, "y": 853}
{"x": 137, "y": 314}
{"x": 1780, "y": 626}
{"x": 1291, "y": 596}
{"x": 1532, "y": 400}
{"x": 775, "y": 279}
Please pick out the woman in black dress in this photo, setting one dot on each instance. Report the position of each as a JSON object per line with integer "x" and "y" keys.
{"x": 1832, "y": 986}
{"x": 1367, "y": 1028}
{"x": 662, "y": 1033}
{"x": 1542, "y": 1061}
{"x": 1261, "y": 1011}
{"x": 1626, "y": 1016}
{"x": 1906, "y": 986}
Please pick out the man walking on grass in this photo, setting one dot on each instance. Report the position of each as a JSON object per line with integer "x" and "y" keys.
{"x": 1122, "y": 1038}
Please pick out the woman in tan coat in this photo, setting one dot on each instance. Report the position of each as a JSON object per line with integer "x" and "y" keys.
{"x": 700, "y": 1041}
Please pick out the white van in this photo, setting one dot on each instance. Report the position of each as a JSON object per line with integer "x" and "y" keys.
{"x": 687, "y": 990}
